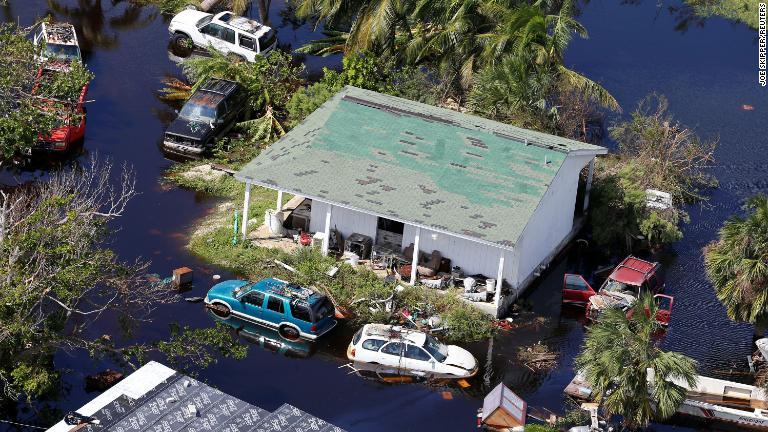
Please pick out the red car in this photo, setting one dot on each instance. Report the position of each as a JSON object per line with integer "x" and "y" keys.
{"x": 71, "y": 117}
{"x": 623, "y": 287}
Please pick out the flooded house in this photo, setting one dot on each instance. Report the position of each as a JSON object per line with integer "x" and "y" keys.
{"x": 433, "y": 190}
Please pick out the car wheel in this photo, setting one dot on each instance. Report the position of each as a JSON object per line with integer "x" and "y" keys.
{"x": 182, "y": 44}
{"x": 220, "y": 310}
{"x": 289, "y": 333}
{"x": 237, "y": 58}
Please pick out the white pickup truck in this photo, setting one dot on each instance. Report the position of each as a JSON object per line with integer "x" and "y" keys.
{"x": 225, "y": 32}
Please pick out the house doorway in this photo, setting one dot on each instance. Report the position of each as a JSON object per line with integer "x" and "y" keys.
{"x": 389, "y": 234}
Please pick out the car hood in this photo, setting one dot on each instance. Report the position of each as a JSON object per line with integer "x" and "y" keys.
{"x": 195, "y": 130}
{"x": 460, "y": 357}
{"x": 189, "y": 16}
{"x": 224, "y": 289}
{"x": 606, "y": 300}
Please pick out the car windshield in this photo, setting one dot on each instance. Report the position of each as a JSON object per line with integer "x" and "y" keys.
{"x": 241, "y": 290}
{"x": 64, "y": 52}
{"x": 204, "y": 20}
{"x": 322, "y": 308}
{"x": 196, "y": 111}
{"x": 619, "y": 287}
{"x": 437, "y": 349}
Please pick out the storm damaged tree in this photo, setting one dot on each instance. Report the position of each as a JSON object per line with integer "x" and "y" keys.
{"x": 31, "y": 102}
{"x": 58, "y": 277}
{"x": 656, "y": 153}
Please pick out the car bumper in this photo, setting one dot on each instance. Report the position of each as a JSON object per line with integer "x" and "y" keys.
{"x": 313, "y": 336}
{"x": 182, "y": 149}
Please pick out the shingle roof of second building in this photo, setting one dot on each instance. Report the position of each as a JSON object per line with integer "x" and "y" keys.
{"x": 416, "y": 163}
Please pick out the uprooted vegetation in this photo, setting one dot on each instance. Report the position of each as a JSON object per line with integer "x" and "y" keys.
{"x": 357, "y": 291}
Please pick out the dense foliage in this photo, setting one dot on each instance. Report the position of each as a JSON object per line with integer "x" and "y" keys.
{"x": 618, "y": 352}
{"x": 366, "y": 71}
{"x": 737, "y": 263}
{"x": 655, "y": 152}
{"x": 458, "y": 39}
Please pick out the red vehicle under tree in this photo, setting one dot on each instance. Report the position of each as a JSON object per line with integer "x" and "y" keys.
{"x": 631, "y": 278}
{"x": 70, "y": 115}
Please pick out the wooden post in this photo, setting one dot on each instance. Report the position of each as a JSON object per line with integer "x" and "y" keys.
{"x": 499, "y": 278}
{"x": 589, "y": 183}
{"x": 327, "y": 237}
{"x": 279, "y": 201}
{"x": 246, "y": 203}
{"x": 415, "y": 258}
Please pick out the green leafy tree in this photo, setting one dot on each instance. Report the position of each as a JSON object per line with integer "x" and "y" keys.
{"x": 618, "y": 352}
{"x": 655, "y": 152}
{"x": 737, "y": 263}
{"x": 364, "y": 70}
{"x": 30, "y": 106}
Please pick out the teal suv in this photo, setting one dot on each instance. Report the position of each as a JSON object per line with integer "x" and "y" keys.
{"x": 295, "y": 312}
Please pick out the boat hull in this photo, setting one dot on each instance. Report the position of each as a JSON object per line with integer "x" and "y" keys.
{"x": 755, "y": 420}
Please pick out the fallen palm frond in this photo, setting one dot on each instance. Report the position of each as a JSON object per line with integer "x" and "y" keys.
{"x": 175, "y": 90}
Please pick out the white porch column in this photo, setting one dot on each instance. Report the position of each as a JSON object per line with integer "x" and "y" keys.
{"x": 246, "y": 203}
{"x": 279, "y": 200}
{"x": 499, "y": 278}
{"x": 327, "y": 237}
{"x": 589, "y": 183}
{"x": 415, "y": 258}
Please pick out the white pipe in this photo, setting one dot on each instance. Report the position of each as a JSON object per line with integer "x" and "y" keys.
{"x": 246, "y": 203}
{"x": 415, "y": 258}
{"x": 279, "y": 200}
{"x": 327, "y": 237}
{"x": 499, "y": 277}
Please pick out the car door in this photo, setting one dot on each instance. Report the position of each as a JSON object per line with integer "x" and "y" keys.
{"x": 252, "y": 303}
{"x": 417, "y": 361}
{"x": 576, "y": 290}
{"x": 392, "y": 355}
{"x": 274, "y": 310}
{"x": 246, "y": 44}
{"x": 664, "y": 308}
{"x": 216, "y": 36}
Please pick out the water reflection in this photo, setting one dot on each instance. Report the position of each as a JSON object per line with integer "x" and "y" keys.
{"x": 98, "y": 26}
{"x": 268, "y": 339}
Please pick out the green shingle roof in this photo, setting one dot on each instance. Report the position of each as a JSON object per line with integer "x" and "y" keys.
{"x": 418, "y": 164}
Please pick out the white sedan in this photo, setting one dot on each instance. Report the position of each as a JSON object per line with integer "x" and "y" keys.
{"x": 225, "y": 32}
{"x": 410, "y": 352}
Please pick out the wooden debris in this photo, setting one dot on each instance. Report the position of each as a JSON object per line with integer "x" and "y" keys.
{"x": 537, "y": 357}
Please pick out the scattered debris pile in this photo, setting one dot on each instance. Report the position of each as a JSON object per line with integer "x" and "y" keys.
{"x": 537, "y": 357}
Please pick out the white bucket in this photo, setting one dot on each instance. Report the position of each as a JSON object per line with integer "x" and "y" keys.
{"x": 274, "y": 221}
{"x": 490, "y": 285}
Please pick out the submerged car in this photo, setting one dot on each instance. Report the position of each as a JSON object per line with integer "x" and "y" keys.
{"x": 294, "y": 312}
{"x": 69, "y": 111}
{"x": 225, "y": 32}
{"x": 59, "y": 42}
{"x": 410, "y": 352}
{"x": 631, "y": 278}
{"x": 208, "y": 114}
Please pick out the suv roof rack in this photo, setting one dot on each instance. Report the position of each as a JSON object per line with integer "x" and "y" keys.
{"x": 219, "y": 85}
{"x": 291, "y": 291}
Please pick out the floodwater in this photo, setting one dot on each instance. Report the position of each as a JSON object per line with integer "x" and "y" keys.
{"x": 707, "y": 69}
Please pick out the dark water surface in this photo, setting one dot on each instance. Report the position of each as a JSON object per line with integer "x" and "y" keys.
{"x": 708, "y": 70}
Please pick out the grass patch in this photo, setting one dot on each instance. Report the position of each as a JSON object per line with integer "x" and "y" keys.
{"x": 358, "y": 290}
{"x": 744, "y": 11}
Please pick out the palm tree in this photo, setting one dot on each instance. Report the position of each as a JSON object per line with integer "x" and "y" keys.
{"x": 370, "y": 25}
{"x": 617, "y": 355}
{"x": 515, "y": 91}
{"x": 737, "y": 263}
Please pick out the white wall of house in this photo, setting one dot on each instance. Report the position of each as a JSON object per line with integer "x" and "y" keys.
{"x": 345, "y": 220}
{"x": 472, "y": 257}
{"x": 553, "y": 219}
